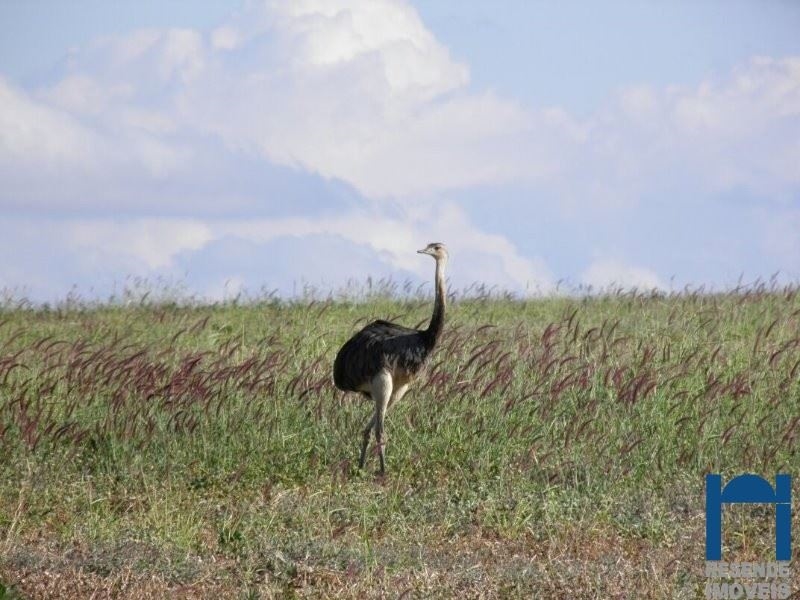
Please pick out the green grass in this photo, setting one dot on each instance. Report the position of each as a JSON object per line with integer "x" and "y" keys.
{"x": 554, "y": 448}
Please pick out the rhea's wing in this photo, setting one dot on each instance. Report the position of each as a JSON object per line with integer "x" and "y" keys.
{"x": 386, "y": 329}
{"x": 370, "y": 350}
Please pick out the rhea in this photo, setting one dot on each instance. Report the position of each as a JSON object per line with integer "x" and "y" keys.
{"x": 384, "y": 358}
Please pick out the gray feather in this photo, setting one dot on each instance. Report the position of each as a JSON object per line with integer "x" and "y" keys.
{"x": 380, "y": 345}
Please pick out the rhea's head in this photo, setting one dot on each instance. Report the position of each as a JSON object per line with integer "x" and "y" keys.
{"x": 436, "y": 249}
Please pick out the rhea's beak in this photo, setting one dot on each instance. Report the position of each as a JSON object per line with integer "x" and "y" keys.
{"x": 424, "y": 251}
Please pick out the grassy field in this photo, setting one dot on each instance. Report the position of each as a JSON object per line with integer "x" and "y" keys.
{"x": 555, "y": 448}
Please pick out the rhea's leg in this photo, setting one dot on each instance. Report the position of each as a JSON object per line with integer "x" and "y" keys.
{"x": 381, "y": 393}
{"x": 397, "y": 394}
{"x": 365, "y": 441}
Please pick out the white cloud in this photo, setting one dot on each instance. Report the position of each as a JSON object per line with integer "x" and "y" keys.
{"x": 51, "y": 255}
{"x": 362, "y": 102}
{"x": 223, "y": 256}
{"x": 285, "y": 263}
{"x": 477, "y": 256}
{"x": 363, "y": 92}
{"x": 358, "y": 91}
{"x": 33, "y": 133}
{"x": 320, "y": 34}
{"x": 83, "y": 95}
{"x": 149, "y": 243}
{"x": 739, "y": 130}
{"x": 225, "y": 38}
{"x": 605, "y": 274}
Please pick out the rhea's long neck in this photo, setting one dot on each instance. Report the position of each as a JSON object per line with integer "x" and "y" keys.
{"x": 434, "y": 330}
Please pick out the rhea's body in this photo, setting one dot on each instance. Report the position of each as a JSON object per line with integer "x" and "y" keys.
{"x": 380, "y": 346}
{"x": 384, "y": 358}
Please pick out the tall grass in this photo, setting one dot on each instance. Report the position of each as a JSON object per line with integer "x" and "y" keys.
{"x": 554, "y": 447}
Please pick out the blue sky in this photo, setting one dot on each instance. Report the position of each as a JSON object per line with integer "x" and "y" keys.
{"x": 266, "y": 145}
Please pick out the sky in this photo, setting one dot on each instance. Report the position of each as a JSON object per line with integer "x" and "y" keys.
{"x": 259, "y": 146}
